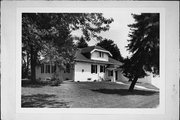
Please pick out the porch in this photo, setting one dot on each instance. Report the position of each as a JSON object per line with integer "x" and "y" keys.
{"x": 112, "y": 73}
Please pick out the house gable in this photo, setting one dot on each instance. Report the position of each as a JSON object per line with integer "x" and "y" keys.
{"x": 99, "y": 55}
{"x": 100, "y": 50}
{"x": 95, "y": 53}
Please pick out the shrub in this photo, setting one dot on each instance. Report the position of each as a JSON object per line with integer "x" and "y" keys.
{"x": 56, "y": 82}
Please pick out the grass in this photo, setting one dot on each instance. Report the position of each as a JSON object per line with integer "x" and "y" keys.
{"x": 88, "y": 95}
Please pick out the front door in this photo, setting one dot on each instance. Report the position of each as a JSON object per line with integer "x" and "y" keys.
{"x": 116, "y": 75}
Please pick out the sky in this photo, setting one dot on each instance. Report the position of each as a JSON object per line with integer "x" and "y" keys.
{"x": 119, "y": 30}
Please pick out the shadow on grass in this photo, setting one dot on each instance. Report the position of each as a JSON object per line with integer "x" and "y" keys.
{"x": 125, "y": 92}
{"x": 42, "y": 100}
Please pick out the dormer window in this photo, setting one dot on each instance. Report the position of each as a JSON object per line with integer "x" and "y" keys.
{"x": 101, "y": 54}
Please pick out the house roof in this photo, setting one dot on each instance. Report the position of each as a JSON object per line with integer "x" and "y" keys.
{"x": 91, "y": 48}
{"x": 79, "y": 56}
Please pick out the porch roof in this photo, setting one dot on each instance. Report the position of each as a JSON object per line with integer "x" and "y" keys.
{"x": 112, "y": 67}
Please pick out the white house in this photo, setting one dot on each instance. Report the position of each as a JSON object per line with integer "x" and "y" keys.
{"x": 91, "y": 64}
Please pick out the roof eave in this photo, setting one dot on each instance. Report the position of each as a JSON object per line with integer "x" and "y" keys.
{"x": 101, "y": 51}
{"x": 104, "y": 62}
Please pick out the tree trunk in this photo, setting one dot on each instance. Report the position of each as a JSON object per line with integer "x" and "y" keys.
{"x": 28, "y": 61}
{"x": 23, "y": 68}
{"x": 131, "y": 88}
{"x": 33, "y": 65}
{"x": 130, "y": 79}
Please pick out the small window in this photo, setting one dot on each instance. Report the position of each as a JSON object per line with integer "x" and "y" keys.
{"x": 42, "y": 68}
{"x": 110, "y": 73}
{"x": 93, "y": 68}
{"x": 47, "y": 68}
{"x": 102, "y": 68}
{"x": 101, "y": 54}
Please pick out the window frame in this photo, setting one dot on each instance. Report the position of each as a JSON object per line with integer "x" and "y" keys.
{"x": 53, "y": 68}
{"x": 94, "y": 69}
{"x": 102, "y": 69}
{"x": 101, "y": 54}
{"x": 42, "y": 68}
{"x": 48, "y": 68}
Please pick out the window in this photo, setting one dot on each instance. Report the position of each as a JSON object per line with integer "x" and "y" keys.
{"x": 67, "y": 68}
{"x": 102, "y": 68}
{"x": 53, "y": 68}
{"x": 110, "y": 73}
{"x": 42, "y": 68}
{"x": 93, "y": 68}
{"x": 47, "y": 68}
{"x": 101, "y": 54}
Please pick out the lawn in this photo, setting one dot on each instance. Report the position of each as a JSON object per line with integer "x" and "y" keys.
{"x": 88, "y": 95}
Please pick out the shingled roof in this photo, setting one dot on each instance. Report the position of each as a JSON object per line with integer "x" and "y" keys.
{"x": 90, "y": 48}
{"x": 79, "y": 56}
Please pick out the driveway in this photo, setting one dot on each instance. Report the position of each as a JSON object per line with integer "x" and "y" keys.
{"x": 88, "y": 95}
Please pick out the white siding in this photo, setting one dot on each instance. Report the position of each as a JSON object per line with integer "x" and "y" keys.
{"x": 81, "y": 75}
{"x": 95, "y": 56}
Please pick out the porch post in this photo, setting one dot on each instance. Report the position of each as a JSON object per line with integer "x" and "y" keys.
{"x": 114, "y": 80}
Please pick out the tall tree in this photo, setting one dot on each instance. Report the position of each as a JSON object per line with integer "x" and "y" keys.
{"x": 43, "y": 31}
{"x": 127, "y": 70}
{"x": 112, "y": 47}
{"x": 82, "y": 43}
{"x": 144, "y": 46}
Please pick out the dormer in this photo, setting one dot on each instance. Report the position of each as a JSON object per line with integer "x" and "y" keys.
{"x": 96, "y": 53}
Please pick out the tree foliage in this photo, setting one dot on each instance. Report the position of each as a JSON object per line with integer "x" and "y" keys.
{"x": 144, "y": 46}
{"x": 112, "y": 47}
{"x": 49, "y": 35}
{"x": 82, "y": 43}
